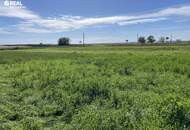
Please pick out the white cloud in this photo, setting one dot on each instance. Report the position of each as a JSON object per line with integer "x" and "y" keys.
{"x": 4, "y": 31}
{"x": 27, "y": 27}
{"x": 21, "y": 13}
{"x": 181, "y": 20}
{"x": 38, "y": 24}
{"x": 140, "y": 21}
{"x": 184, "y": 10}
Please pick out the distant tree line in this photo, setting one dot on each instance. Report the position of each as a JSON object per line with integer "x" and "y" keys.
{"x": 151, "y": 40}
{"x": 65, "y": 41}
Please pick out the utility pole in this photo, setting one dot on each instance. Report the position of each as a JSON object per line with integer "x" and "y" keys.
{"x": 137, "y": 38}
{"x": 83, "y": 39}
{"x": 171, "y": 38}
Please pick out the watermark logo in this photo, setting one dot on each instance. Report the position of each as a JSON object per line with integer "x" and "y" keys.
{"x": 13, "y": 4}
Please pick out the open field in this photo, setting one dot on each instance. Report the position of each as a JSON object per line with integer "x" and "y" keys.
{"x": 95, "y": 88}
{"x": 13, "y": 47}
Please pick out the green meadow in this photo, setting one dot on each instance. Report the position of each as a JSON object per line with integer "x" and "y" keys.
{"x": 95, "y": 88}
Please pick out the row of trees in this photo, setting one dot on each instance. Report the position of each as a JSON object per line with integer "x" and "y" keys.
{"x": 64, "y": 41}
{"x": 143, "y": 40}
{"x": 151, "y": 39}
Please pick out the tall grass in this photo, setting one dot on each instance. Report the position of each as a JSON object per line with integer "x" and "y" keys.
{"x": 100, "y": 88}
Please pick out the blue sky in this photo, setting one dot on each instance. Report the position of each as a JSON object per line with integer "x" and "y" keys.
{"x": 101, "y": 20}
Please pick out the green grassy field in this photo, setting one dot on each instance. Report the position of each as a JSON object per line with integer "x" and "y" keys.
{"x": 95, "y": 88}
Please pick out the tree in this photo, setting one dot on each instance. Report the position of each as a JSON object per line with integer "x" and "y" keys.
{"x": 178, "y": 41}
{"x": 64, "y": 41}
{"x": 142, "y": 40}
{"x": 167, "y": 39}
{"x": 151, "y": 39}
{"x": 41, "y": 44}
{"x": 162, "y": 40}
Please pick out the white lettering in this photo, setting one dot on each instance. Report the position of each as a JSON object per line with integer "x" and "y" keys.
{"x": 13, "y": 3}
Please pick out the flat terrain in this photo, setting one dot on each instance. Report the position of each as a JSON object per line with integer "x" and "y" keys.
{"x": 95, "y": 88}
{"x": 11, "y": 47}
